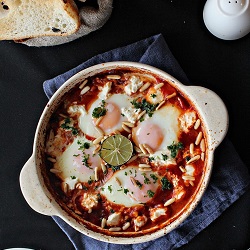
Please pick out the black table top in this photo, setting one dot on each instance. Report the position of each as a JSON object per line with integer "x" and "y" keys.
{"x": 223, "y": 66}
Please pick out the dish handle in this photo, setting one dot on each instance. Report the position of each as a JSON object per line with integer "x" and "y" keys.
{"x": 32, "y": 189}
{"x": 214, "y": 113}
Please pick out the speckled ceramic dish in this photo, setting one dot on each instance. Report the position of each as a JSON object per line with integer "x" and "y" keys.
{"x": 211, "y": 112}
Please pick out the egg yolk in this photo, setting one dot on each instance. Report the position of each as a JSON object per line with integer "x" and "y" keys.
{"x": 140, "y": 193}
{"x": 93, "y": 161}
{"x": 112, "y": 117}
{"x": 148, "y": 133}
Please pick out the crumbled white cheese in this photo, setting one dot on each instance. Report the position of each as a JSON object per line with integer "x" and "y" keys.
{"x": 178, "y": 191}
{"x": 71, "y": 181}
{"x": 75, "y": 109}
{"x": 157, "y": 158}
{"x": 140, "y": 221}
{"x": 131, "y": 113}
{"x": 187, "y": 120}
{"x": 104, "y": 94}
{"x": 134, "y": 84}
{"x": 155, "y": 97}
{"x": 89, "y": 201}
{"x": 114, "y": 219}
{"x": 189, "y": 170}
{"x": 157, "y": 212}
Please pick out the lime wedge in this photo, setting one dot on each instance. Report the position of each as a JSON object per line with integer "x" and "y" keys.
{"x": 116, "y": 150}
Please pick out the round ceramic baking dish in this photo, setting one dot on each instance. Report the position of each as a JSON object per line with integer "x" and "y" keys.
{"x": 212, "y": 112}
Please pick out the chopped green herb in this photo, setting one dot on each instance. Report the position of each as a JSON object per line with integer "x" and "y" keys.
{"x": 164, "y": 157}
{"x": 150, "y": 193}
{"x": 174, "y": 147}
{"x": 141, "y": 119}
{"x": 138, "y": 184}
{"x": 144, "y": 105}
{"x": 125, "y": 190}
{"x": 99, "y": 111}
{"x": 154, "y": 177}
{"x": 112, "y": 211}
{"x": 102, "y": 188}
{"x": 151, "y": 159}
{"x": 119, "y": 190}
{"x": 90, "y": 181}
{"x": 146, "y": 179}
{"x": 73, "y": 177}
{"x": 126, "y": 173}
{"x": 153, "y": 95}
{"x": 188, "y": 158}
{"x": 85, "y": 160}
{"x": 76, "y": 155}
{"x": 65, "y": 125}
{"x": 165, "y": 183}
{"x": 115, "y": 168}
{"x": 110, "y": 188}
{"x": 83, "y": 145}
{"x": 86, "y": 145}
{"x": 84, "y": 187}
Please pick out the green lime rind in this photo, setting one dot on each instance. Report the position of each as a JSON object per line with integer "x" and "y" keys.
{"x": 116, "y": 150}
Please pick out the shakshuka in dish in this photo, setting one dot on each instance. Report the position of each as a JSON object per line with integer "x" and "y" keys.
{"x": 125, "y": 152}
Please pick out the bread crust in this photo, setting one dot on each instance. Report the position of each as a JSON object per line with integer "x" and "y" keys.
{"x": 66, "y": 23}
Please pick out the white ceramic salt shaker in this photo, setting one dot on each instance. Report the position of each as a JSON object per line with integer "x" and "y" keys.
{"x": 227, "y": 19}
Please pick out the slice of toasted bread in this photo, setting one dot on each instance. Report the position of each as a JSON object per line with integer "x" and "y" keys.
{"x": 22, "y": 19}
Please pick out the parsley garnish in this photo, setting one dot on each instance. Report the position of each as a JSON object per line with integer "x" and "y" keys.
{"x": 85, "y": 160}
{"x": 151, "y": 159}
{"x": 144, "y": 105}
{"x": 154, "y": 177}
{"x": 138, "y": 184}
{"x": 72, "y": 177}
{"x": 110, "y": 188}
{"x": 99, "y": 111}
{"x": 146, "y": 179}
{"x": 65, "y": 125}
{"x": 153, "y": 95}
{"x": 165, "y": 183}
{"x": 164, "y": 157}
{"x": 125, "y": 190}
{"x": 114, "y": 168}
{"x": 150, "y": 193}
{"x": 84, "y": 145}
{"x": 174, "y": 147}
{"x": 90, "y": 181}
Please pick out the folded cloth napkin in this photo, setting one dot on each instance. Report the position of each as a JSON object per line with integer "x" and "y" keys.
{"x": 229, "y": 178}
{"x": 91, "y": 20}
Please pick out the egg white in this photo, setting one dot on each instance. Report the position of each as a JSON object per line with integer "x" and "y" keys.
{"x": 70, "y": 164}
{"x": 167, "y": 119}
{"x": 124, "y": 192}
{"x": 86, "y": 122}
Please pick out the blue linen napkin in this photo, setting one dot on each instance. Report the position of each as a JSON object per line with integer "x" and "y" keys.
{"x": 230, "y": 177}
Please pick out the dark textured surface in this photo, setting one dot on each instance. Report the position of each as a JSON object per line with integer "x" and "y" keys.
{"x": 223, "y": 66}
